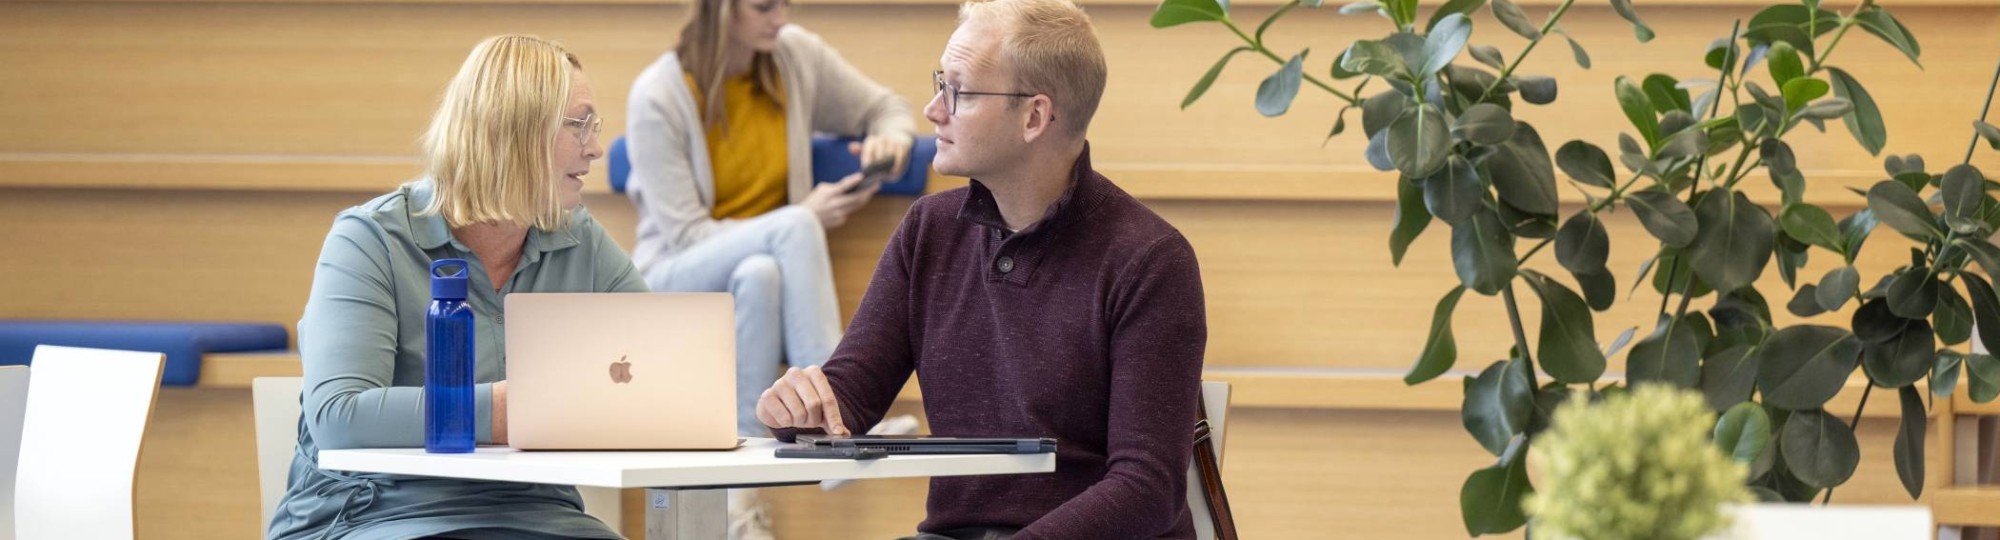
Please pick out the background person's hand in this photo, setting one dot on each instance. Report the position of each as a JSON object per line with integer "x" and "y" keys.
{"x": 802, "y": 399}
{"x": 831, "y": 202}
{"x": 879, "y": 146}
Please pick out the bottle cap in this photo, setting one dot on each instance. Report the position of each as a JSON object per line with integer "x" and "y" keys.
{"x": 449, "y": 278}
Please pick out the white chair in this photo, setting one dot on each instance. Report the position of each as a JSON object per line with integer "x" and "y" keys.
{"x": 1214, "y": 394}
{"x": 86, "y": 417}
{"x": 277, "y": 416}
{"x": 13, "y": 409}
{"x": 276, "y": 411}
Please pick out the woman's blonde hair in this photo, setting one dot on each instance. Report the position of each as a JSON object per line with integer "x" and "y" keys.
{"x": 704, "y": 52}
{"x": 491, "y": 146}
{"x": 1054, "y": 51}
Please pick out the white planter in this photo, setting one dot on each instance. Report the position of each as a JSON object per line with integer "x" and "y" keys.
{"x": 1838, "y": 522}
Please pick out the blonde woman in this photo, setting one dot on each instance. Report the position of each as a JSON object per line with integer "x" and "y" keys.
{"x": 505, "y": 153}
{"x": 720, "y": 137}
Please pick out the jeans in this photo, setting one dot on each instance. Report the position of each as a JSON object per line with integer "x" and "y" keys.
{"x": 777, "y": 267}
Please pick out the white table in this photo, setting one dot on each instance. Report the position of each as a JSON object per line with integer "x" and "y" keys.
{"x": 684, "y": 491}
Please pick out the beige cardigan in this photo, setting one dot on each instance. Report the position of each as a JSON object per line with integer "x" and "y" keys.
{"x": 672, "y": 183}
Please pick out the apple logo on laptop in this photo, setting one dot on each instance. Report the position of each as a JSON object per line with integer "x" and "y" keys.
{"x": 621, "y": 371}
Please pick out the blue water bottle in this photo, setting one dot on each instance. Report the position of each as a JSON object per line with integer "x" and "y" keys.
{"x": 450, "y": 424}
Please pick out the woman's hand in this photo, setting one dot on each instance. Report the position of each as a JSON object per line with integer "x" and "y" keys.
{"x": 884, "y": 146}
{"x": 832, "y": 202}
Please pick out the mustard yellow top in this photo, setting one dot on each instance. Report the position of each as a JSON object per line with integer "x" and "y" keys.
{"x": 749, "y": 160}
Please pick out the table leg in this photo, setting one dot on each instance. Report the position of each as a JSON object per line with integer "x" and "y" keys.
{"x": 687, "y": 514}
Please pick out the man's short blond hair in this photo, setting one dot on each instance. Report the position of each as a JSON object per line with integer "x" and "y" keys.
{"x": 491, "y": 145}
{"x": 1054, "y": 51}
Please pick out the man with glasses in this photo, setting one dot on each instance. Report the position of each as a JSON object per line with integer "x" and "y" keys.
{"x": 1040, "y": 301}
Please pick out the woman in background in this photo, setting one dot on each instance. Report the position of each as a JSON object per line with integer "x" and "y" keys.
{"x": 719, "y": 133}
{"x": 505, "y": 155}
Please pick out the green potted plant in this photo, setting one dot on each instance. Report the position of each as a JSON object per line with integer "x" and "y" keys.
{"x": 1437, "y": 110}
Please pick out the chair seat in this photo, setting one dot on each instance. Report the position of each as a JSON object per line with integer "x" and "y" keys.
{"x": 183, "y": 342}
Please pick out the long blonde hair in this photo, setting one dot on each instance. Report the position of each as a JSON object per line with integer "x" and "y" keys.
{"x": 704, "y": 52}
{"x": 491, "y": 145}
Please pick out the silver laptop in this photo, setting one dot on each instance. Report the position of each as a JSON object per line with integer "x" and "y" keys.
{"x": 630, "y": 371}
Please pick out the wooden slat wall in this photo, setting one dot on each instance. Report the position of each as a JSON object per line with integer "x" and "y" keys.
{"x": 181, "y": 160}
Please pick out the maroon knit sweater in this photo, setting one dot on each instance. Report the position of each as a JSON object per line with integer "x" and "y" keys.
{"x": 1088, "y": 327}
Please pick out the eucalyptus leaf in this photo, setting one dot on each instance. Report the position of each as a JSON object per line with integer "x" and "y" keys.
{"x": 1837, "y": 287}
{"x": 1440, "y": 347}
{"x": 1902, "y": 361}
{"x": 1208, "y": 79}
{"x": 1514, "y": 19}
{"x": 1982, "y": 373}
{"x": 1411, "y": 219}
{"x": 1600, "y": 288}
{"x": 1445, "y": 40}
{"x": 1898, "y": 206}
{"x": 1454, "y": 192}
{"x": 1985, "y": 307}
{"x": 1988, "y": 132}
{"x": 1743, "y": 432}
{"x": 1497, "y": 404}
{"x": 1667, "y": 96}
{"x": 1536, "y": 89}
{"x": 1461, "y": 7}
{"x": 1586, "y": 163}
{"x": 1734, "y": 240}
{"x": 1783, "y": 165}
{"x": 1638, "y": 109}
{"x": 1854, "y": 230}
{"x": 1812, "y": 225}
{"x": 1568, "y": 346}
{"x": 1805, "y": 302}
{"x": 1879, "y": 22}
{"x": 1728, "y": 377}
{"x": 1490, "y": 500}
{"x": 1482, "y": 253}
{"x": 1364, "y": 6}
{"x": 1639, "y": 28}
{"x": 1485, "y": 123}
{"x": 1671, "y": 355}
{"x": 1275, "y": 94}
{"x": 1576, "y": 50}
{"x": 1944, "y": 375}
{"x": 1909, "y": 452}
{"x": 1523, "y": 174}
{"x": 1179, "y": 12}
{"x": 1874, "y": 323}
{"x": 1582, "y": 246}
{"x": 1666, "y": 217}
{"x": 1963, "y": 188}
{"x": 1784, "y": 62}
{"x": 1489, "y": 55}
{"x": 1376, "y": 58}
{"x": 1953, "y": 317}
{"x": 1381, "y": 110}
{"x": 1820, "y": 449}
{"x": 1802, "y": 91}
{"x": 1419, "y": 141}
{"x": 1378, "y": 152}
{"x": 1801, "y": 367}
{"x": 1914, "y": 293}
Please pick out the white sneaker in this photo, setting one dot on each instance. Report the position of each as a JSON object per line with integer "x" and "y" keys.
{"x": 899, "y": 425}
{"x": 748, "y": 519}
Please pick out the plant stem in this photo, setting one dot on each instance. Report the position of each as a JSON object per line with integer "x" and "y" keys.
{"x": 1854, "y": 425}
{"x": 1721, "y": 80}
{"x": 1520, "y": 336}
{"x": 1673, "y": 273}
{"x": 1845, "y": 24}
{"x": 1974, "y": 145}
{"x": 1546, "y": 27}
{"x": 1259, "y": 47}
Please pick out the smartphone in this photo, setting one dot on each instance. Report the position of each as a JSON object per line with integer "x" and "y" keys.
{"x": 874, "y": 174}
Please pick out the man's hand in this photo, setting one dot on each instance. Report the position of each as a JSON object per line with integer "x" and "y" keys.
{"x": 802, "y": 398}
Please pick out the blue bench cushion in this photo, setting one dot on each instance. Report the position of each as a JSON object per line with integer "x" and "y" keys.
{"x": 183, "y": 342}
{"x": 830, "y": 162}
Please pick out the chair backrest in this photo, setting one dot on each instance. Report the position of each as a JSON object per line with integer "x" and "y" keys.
{"x": 277, "y": 416}
{"x": 1215, "y": 395}
{"x": 86, "y": 417}
{"x": 13, "y": 409}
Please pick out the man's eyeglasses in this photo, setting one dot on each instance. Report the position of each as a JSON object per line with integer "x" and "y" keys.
{"x": 953, "y": 92}
{"x": 587, "y": 127}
